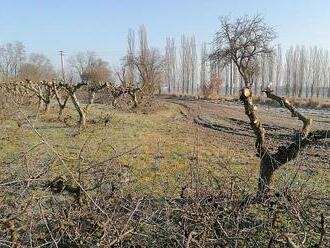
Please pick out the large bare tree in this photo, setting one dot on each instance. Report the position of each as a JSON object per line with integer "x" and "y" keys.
{"x": 150, "y": 66}
{"x": 243, "y": 41}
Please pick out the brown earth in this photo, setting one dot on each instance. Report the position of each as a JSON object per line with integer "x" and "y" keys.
{"x": 230, "y": 122}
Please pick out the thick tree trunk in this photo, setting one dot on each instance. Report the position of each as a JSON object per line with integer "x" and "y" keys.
{"x": 46, "y": 106}
{"x": 270, "y": 162}
{"x": 266, "y": 177}
{"x": 266, "y": 181}
{"x": 60, "y": 112}
{"x": 82, "y": 120}
{"x": 59, "y": 101}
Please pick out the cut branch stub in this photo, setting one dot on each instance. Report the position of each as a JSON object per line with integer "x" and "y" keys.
{"x": 259, "y": 131}
{"x": 246, "y": 92}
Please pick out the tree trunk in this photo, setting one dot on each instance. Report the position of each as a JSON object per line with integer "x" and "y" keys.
{"x": 38, "y": 109}
{"x": 60, "y": 104}
{"x": 90, "y": 101}
{"x": 82, "y": 120}
{"x": 46, "y": 106}
{"x": 82, "y": 116}
{"x": 134, "y": 99}
{"x": 266, "y": 182}
{"x": 60, "y": 112}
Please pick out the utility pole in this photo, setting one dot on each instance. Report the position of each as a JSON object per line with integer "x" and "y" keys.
{"x": 62, "y": 64}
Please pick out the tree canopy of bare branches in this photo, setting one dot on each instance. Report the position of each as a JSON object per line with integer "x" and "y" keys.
{"x": 243, "y": 41}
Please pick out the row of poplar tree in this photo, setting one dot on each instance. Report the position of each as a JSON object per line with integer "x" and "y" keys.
{"x": 297, "y": 71}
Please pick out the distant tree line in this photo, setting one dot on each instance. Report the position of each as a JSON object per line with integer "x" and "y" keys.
{"x": 183, "y": 68}
{"x": 299, "y": 72}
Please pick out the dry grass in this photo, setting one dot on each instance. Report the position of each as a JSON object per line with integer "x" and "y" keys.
{"x": 144, "y": 180}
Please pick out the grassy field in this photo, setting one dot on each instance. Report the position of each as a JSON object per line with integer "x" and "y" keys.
{"x": 159, "y": 152}
{"x": 158, "y": 174}
{"x": 156, "y": 153}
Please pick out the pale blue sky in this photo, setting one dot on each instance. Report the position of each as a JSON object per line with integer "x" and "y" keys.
{"x": 77, "y": 25}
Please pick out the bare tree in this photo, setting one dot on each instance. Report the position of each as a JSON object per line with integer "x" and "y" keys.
{"x": 328, "y": 94}
{"x": 288, "y": 71}
{"x": 11, "y": 58}
{"x": 125, "y": 87}
{"x": 184, "y": 65}
{"x": 193, "y": 64}
{"x": 42, "y": 90}
{"x": 37, "y": 68}
{"x": 146, "y": 66}
{"x": 36, "y": 75}
{"x": 170, "y": 65}
{"x": 72, "y": 89}
{"x": 324, "y": 72}
{"x": 302, "y": 71}
{"x": 94, "y": 71}
{"x": 94, "y": 74}
{"x": 150, "y": 66}
{"x": 295, "y": 68}
{"x": 315, "y": 61}
{"x": 279, "y": 70}
{"x": 243, "y": 41}
{"x": 203, "y": 69}
{"x": 97, "y": 75}
{"x": 61, "y": 96}
{"x": 130, "y": 67}
{"x": 263, "y": 71}
{"x": 188, "y": 64}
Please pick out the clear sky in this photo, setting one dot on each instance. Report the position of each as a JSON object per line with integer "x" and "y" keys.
{"x": 47, "y": 26}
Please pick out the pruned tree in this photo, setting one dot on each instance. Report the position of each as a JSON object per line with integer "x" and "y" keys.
{"x": 61, "y": 96}
{"x": 125, "y": 87}
{"x": 243, "y": 41}
{"x": 72, "y": 89}
{"x": 42, "y": 90}
{"x": 97, "y": 75}
{"x": 94, "y": 71}
{"x": 37, "y": 74}
{"x": 141, "y": 74}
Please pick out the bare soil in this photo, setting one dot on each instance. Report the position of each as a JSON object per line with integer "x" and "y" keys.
{"x": 230, "y": 122}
